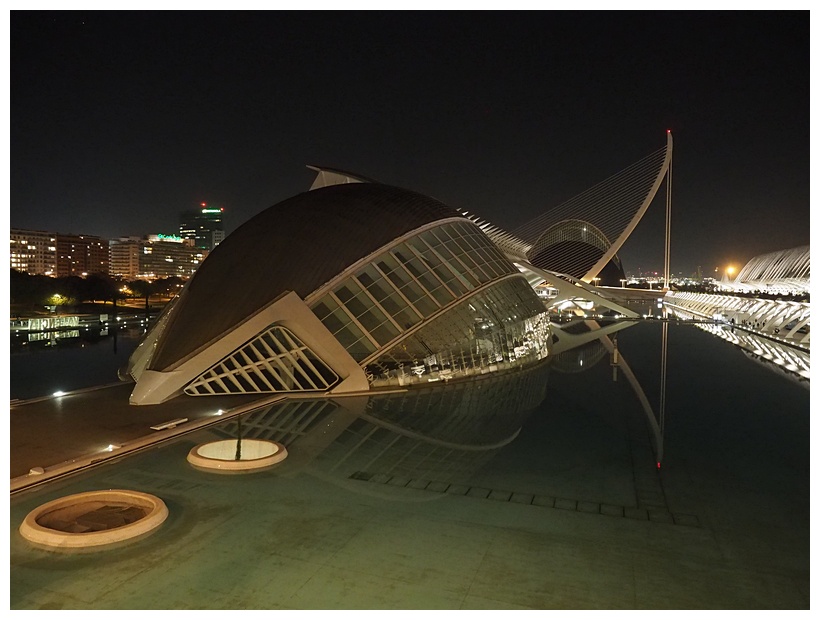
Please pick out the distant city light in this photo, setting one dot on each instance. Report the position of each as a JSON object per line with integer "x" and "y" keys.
{"x": 59, "y": 393}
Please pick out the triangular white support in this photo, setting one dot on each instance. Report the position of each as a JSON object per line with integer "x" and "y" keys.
{"x": 571, "y": 290}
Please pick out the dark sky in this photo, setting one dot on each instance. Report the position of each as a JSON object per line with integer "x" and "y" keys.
{"x": 121, "y": 120}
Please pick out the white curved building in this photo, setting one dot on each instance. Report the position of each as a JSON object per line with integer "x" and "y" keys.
{"x": 785, "y": 271}
{"x": 355, "y": 285}
{"x": 350, "y": 286}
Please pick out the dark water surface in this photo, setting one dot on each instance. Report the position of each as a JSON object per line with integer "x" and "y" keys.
{"x": 43, "y": 363}
{"x": 533, "y": 490}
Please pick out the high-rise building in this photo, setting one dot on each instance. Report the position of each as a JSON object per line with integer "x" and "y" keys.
{"x": 204, "y": 226}
{"x": 125, "y": 257}
{"x": 34, "y": 252}
{"x": 154, "y": 256}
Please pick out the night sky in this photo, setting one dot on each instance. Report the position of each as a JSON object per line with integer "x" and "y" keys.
{"x": 119, "y": 121}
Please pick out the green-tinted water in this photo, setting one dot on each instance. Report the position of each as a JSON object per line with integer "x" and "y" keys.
{"x": 461, "y": 497}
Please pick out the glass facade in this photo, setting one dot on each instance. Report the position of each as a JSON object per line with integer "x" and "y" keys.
{"x": 504, "y": 325}
{"x": 408, "y": 283}
{"x": 203, "y": 226}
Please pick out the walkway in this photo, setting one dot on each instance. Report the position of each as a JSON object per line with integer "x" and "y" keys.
{"x": 66, "y": 432}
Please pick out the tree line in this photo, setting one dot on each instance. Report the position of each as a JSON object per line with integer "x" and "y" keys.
{"x": 33, "y": 292}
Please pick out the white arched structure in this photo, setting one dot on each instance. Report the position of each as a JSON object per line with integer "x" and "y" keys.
{"x": 789, "y": 321}
{"x": 785, "y": 271}
{"x": 614, "y": 207}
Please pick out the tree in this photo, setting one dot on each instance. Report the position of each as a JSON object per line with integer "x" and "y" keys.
{"x": 30, "y": 291}
{"x": 143, "y": 288}
{"x": 100, "y": 286}
{"x": 168, "y": 286}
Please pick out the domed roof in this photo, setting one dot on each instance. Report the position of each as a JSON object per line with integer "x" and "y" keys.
{"x": 296, "y": 245}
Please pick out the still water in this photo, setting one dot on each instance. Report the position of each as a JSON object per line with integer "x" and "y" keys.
{"x": 45, "y": 362}
{"x": 537, "y": 489}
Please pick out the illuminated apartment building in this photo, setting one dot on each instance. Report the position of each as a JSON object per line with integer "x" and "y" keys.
{"x": 154, "y": 256}
{"x": 34, "y": 252}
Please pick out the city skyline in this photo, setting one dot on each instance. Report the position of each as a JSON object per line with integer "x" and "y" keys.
{"x": 135, "y": 117}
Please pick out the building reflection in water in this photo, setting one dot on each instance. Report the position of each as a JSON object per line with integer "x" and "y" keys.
{"x": 593, "y": 343}
{"x": 439, "y": 432}
{"x": 790, "y": 360}
{"x": 785, "y": 356}
{"x": 66, "y": 338}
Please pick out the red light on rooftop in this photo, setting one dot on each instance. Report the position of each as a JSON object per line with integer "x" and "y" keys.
{"x": 221, "y": 208}
{"x": 668, "y": 131}
{"x": 203, "y": 204}
{"x": 659, "y": 464}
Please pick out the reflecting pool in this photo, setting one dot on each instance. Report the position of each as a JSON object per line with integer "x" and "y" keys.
{"x": 563, "y": 485}
{"x": 45, "y": 362}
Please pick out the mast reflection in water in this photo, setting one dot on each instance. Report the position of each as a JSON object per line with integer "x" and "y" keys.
{"x": 540, "y": 476}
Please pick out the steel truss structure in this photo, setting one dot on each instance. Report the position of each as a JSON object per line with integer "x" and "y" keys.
{"x": 785, "y": 271}
{"x": 582, "y": 235}
{"x": 789, "y": 321}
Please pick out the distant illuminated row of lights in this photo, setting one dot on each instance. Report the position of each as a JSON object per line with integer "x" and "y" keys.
{"x": 16, "y": 331}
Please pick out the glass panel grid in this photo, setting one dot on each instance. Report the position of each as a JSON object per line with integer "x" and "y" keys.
{"x": 450, "y": 246}
{"x": 447, "y": 273}
{"x": 410, "y": 282}
{"x": 505, "y": 326}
